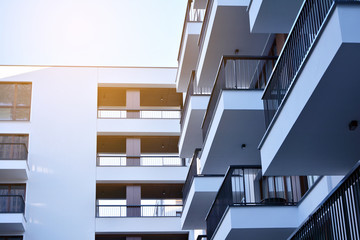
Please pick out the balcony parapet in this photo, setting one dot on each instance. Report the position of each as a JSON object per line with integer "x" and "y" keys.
{"x": 121, "y": 160}
{"x": 123, "y": 113}
{"x": 118, "y": 211}
{"x": 237, "y": 73}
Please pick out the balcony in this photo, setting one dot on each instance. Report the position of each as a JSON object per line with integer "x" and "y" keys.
{"x": 273, "y": 17}
{"x": 252, "y": 206}
{"x": 309, "y": 112}
{"x": 192, "y": 115}
{"x": 13, "y": 161}
{"x": 337, "y": 217}
{"x": 234, "y": 122}
{"x": 189, "y": 50}
{"x": 131, "y": 111}
{"x": 199, "y": 192}
{"x": 225, "y": 30}
{"x": 144, "y": 168}
{"x": 136, "y": 208}
{"x": 130, "y": 121}
{"x": 12, "y": 208}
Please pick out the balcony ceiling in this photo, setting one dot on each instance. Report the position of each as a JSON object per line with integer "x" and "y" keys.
{"x": 149, "y": 97}
{"x": 229, "y": 30}
{"x": 149, "y": 144}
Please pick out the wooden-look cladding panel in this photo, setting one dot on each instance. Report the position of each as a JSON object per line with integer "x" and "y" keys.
{"x": 149, "y": 144}
{"x": 149, "y": 97}
{"x": 148, "y": 191}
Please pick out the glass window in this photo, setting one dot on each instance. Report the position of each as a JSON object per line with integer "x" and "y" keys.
{"x": 15, "y": 101}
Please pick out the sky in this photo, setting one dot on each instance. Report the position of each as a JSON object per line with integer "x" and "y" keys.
{"x": 143, "y": 33}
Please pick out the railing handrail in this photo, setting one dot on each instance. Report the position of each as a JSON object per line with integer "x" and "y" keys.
{"x": 331, "y": 195}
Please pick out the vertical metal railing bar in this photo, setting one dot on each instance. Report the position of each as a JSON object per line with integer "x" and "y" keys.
{"x": 338, "y": 216}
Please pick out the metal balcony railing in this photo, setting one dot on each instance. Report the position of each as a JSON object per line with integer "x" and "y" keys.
{"x": 245, "y": 186}
{"x": 138, "y": 211}
{"x": 237, "y": 73}
{"x": 12, "y": 204}
{"x": 192, "y": 90}
{"x": 193, "y": 171}
{"x": 308, "y": 25}
{"x": 13, "y": 151}
{"x": 338, "y": 216}
{"x": 192, "y": 15}
{"x": 205, "y": 25}
{"x": 114, "y": 160}
{"x": 139, "y": 113}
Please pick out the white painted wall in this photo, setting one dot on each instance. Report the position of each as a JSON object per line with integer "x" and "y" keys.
{"x": 130, "y": 77}
{"x": 60, "y": 196}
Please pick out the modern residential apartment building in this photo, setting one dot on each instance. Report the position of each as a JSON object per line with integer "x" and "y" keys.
{"x": 254, "y": 136}
{"x": 270, "y": 119}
